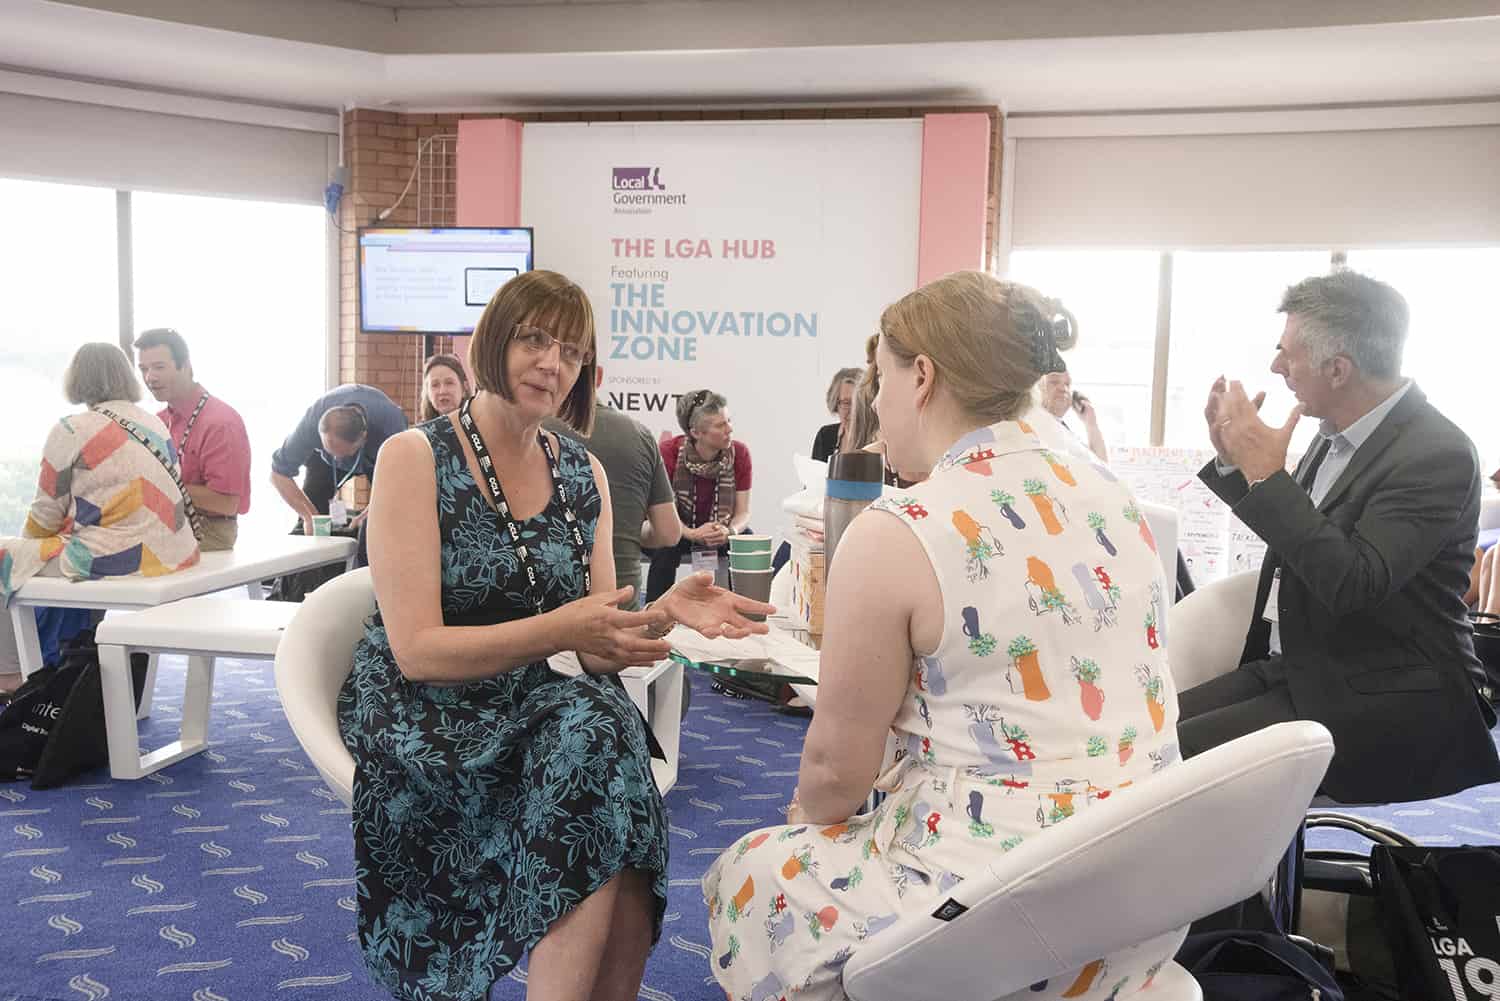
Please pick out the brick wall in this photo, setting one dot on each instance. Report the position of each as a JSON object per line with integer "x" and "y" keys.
{"x": 380, "y": 149}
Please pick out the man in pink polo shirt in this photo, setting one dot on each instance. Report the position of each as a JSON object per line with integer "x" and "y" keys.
{"x": 207, "y": 435}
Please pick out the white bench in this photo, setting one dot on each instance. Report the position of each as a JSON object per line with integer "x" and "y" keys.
{"x": 254, "y": 561}
{"x": 203, "y": 628}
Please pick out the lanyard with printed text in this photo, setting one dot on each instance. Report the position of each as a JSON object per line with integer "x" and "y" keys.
{"x": 131, "y": 428}
{"x": 512, "y": 530}
{"x": 182, "y": 445}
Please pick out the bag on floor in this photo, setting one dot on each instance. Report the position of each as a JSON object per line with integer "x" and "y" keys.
{"x": 27, "y": 722}
{"x": 1487, "y": 649}
{"x": 1255, "y": 966}
{"x": 54, "y": 726}
{"x": 1440, "y": 908}
{"x": 1339, "y": 908}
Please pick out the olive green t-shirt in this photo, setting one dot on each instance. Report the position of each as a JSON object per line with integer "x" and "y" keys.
{"x": 637, "y": 480}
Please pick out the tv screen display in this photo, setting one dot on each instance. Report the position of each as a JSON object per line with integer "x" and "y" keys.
{"x": 435, "y": 281}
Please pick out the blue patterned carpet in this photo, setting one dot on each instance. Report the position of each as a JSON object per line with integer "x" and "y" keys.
{"x": 227, "y": 877}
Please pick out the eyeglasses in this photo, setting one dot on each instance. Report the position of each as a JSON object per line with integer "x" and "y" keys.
{"x": 538, "y": 341}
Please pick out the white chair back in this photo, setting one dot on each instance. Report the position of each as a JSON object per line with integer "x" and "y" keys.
{"x": 1207, "y": 629}
{"x": 1489, "y": 509}
{"x": 315, "y": 656}
{"x": 1163, "y": 522}
{"x": 1186, "y": 842}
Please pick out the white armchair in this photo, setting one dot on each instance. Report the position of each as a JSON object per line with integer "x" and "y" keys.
{"x": 1489, "y": 510}
{"x": 315, "y": 656}
{"x": 1206, "y": 630}
{"x": 1163, "y": 522}
{"x": 1183, "y": 844}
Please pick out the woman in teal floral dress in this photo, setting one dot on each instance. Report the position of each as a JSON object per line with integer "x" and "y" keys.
{"x": 501, "y": 807}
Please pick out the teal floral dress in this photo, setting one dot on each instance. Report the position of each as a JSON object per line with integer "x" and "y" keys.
{"x": 485, "y": 812}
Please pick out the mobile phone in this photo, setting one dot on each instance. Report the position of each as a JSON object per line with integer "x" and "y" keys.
{"x": 1078, "y": 401}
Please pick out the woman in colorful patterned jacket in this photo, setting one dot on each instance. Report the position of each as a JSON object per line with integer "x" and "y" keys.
{"x": 1002, "y": 621}
{"x": 105, "y": 504}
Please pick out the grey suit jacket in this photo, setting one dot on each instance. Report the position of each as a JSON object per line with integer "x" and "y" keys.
{"x": 1374, "y": 632}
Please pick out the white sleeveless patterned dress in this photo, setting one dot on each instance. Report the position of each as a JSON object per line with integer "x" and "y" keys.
{"x": 1048, "y": 693}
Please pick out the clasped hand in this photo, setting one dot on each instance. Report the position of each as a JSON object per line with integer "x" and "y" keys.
{"x": 712, "y": 535}
{"x": 1240, "y": 437}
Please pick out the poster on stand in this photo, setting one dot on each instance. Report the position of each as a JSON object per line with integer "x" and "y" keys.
{"x": 750, "y": 258}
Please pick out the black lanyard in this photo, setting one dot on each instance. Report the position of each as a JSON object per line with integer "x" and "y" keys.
{"x": 512, "y": 530}
{"x": 182, "y": 445}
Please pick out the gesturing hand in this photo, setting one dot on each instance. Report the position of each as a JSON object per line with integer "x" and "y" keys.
{"x": 596, "y": 627}
{"x": 1214, "y": 414}
{"x": 712, "y": 611}
{"x": 1257, "y": 448}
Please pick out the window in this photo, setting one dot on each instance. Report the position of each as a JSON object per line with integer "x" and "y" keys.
{"x": 1113, "y": 296}
{"x": 61, "y": 283}
{"x": 1453, "y": 347}
{"x": 1224, "y": 322}
{"x": 245, "y": 283}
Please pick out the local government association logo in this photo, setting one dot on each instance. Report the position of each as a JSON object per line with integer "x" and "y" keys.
{"x": 638, "y": 189}
{"x": 638, "y": 179}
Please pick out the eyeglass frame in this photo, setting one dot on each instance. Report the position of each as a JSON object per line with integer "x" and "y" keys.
{"x": 585, "y": 355}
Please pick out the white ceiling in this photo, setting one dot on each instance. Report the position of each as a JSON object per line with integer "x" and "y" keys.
{"x": 1349, "y": 63}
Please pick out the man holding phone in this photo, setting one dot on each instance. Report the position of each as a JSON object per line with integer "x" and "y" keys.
{"x": 1058, "y": 399}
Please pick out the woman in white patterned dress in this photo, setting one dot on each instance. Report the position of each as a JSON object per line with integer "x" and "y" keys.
{"x": 1003, "y": 620}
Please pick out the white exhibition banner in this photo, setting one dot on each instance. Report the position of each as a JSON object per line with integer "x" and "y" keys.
{"x": 750, "y": 258}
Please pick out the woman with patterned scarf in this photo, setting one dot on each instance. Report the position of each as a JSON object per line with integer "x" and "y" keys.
{"x": 711, "y": 479}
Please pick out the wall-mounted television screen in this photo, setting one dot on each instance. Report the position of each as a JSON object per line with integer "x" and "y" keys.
{"x": 435, "y": 281}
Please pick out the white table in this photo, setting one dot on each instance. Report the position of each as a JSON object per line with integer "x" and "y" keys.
{"x": 203, "y": 628}
{"x": 657, "y": 693}
{"x": 257, "y": 560}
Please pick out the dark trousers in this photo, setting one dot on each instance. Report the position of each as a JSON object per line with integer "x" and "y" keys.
{"x": 317, "y": 483}
{"x": 662, "y": 573}
{"x": 1232, "y": 705}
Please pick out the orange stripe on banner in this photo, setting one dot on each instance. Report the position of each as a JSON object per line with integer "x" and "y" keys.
{"x": 123, "y": 504}
{"x": 103, "y": 445}
{"x": 159, "y": 504}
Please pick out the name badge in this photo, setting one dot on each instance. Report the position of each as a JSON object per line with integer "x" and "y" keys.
{"x": 338, "y": 511}
{"x": 705, "y": 560}
{"x": 1273, "y": 598}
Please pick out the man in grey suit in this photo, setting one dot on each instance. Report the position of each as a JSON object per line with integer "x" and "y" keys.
{"x": 1359, "y": 620}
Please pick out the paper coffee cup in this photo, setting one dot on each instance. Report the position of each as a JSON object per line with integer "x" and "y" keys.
{"x": 322, "y": 524}
{"x": 749, "y": 543}
{"x": 754, "y": 584}
{"x": 750, "y": 561}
